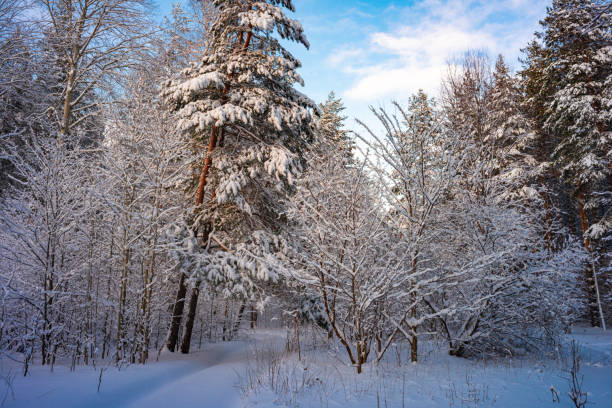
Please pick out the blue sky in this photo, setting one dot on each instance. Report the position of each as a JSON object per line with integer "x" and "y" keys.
{"x": 372, "y": 52}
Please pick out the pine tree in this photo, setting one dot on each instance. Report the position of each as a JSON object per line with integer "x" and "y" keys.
{"x": 515, "y": 164}
{"x": 331, "y": 126}
{"x": 512, "y": 139}
{"x": 241, "y": 103}
{"x": 505, "y": 103}
{"x": 568, "y": 77}
{"x": 419, "y": 141}
{"x": 579, "y": 110}
{"x": 422, "y": 123}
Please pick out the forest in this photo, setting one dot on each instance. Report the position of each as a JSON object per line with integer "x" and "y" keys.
{"x": 168, "y": 194}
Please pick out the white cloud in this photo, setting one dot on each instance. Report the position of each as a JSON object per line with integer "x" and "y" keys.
{"x": 413, "y": 55}
{"x": 341, "y": 56}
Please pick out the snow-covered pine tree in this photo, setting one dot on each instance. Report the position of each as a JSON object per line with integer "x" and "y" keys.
{"x": 570, "y": 75}
{"x": 580, "y": 109}
{"x": 241, "y": 103}
{"x": 512, "y": 138}
{"x": 422, "y": 130}
{"x": 505, "y": 103}
{"x": 515, "y": 163}
{"x": 331, "y": 126}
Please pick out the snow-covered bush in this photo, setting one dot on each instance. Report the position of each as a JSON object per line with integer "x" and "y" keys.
{"x": 349, "y": 254}
{"x": 42, "y": 269}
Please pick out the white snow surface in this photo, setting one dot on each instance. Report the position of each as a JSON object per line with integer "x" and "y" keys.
{"x": 217, "y": 376}
{"x": 439, "y": 380}
{"x": 203, "y": 378}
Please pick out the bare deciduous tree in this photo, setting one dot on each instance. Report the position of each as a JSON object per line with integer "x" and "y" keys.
{"x": 90, "y": 43}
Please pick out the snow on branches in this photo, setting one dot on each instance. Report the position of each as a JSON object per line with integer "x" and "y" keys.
{"x": 242, "y": 92}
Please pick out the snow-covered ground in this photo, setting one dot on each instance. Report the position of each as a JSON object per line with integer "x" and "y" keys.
{"x": 260, "y": 373}
{"x": 438, "y": 380}
{"x": 204, "y": 378}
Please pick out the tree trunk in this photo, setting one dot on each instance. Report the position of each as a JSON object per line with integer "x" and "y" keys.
{"x": 121, "y": 302}
{"x": 225, "y": 336}
{"x": 177, "y": 314}
{"x": 191, "y": 314}
{"x": 413, "y": 313}
{"x": 253, "y": 316}
{"x": 414, "y": 347}
{"x": 594, "y": 303}
{"x": 193, "y": 301}
{"x": 456, "y": 349}
{"x": 238, "y": 320}
{"x": 67, "y": 109}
